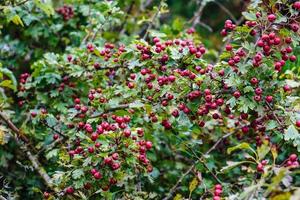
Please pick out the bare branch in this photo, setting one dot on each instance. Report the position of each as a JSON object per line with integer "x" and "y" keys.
{"x": 227, "y": 11}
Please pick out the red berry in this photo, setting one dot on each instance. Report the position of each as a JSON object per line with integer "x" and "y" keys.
{"x": 271, "y": 17}
{"x": 260, "y": 167}
{"x": 91, "y": 149}
{"x": 97, "y": 175}
{"x": 269, "y": 99}
{"x": 218, "y": 186}
{"x": 55, "y": 136}
{"x": 228, "y": 47}
{"x": 46, "y": 195}
{"x": 296, "y": 5}
{"x": 70, "y": 190}
{"x": 237, "y": 94}
{"x": 293, "y": 157}
{"x": 298, "y": 123}
{"x": 33, "y": 114}
{"x": 115, "y": 156}
{"x": 148, "y": 145}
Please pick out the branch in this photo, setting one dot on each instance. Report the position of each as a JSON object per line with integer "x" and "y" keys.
{"x": 53, "y": 129}
{"x": 150, "y": 24}
{"x": 51, "y": 145}
{"x": 35, "y": 163}
{"x": 276, "y": 117}
{"x": 227, "y": 11}
{"x": 172, "y": 190}
{"x": 14, "y": 128}
{"x": 197, "y": 15}
{"x": 2, "y": 198}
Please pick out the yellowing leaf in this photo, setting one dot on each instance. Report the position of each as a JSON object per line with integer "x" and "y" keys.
{"x": 2, "y": 135}
{"x": 262, "y": 151}
{"x": 178, "y": 197}
{"x": 193, "y": 184}
{"x": 46, "y": 7}
{"x": 274, "y": 153}
{"x": 282, "y": 196}
{"x": 17, "y": 20}
{"x": 243, "y": 145}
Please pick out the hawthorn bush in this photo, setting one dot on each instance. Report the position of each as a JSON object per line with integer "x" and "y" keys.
{"x": 150, "y": 113}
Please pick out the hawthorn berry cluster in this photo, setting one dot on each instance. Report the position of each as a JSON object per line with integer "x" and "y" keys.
{"x": 218, "y": 192}
{"x": 292, "y": 161}
{"x": 66, "y": 11}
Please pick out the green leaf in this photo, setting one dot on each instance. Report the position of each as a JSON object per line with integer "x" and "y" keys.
{"x": 46, "y": 7}
{"x": 51, "y": 121}
{"x": 262, "y": 151}
{"x": 178, "y": 24}
{"x": 291, "y": 133}
{"x": 76, "y": 174}
{"x": 87, "y": 162}
{"x": 249, "y": 16}
{"x": 136, "y": 104}
{"x": 231, "y": 165}
{"x": 52, "y": 153}
{"x": 271, "y": 125}
{"x": 249, "y": 190}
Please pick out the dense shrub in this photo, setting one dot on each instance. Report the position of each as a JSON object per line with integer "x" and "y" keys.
{"x": 157, "y": 116}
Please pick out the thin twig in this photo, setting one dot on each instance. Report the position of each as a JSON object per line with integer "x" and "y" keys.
{"x": 227, "y": 11}
{"x": 276, "y": 117}
{"x": 151, "y": 22}
{"x": 53, "y": 129}
{"x": 52, "y": 145}
{"x": 198, "y": 14}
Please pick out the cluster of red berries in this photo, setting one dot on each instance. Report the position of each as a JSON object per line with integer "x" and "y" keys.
{"x": 260, "y": 166}
{"x": 22, "y": 80}
{"x": 218, "y": 192}
{"x": 191, "y": 31}
{"x": 108, "y": 52}
{"x": 292, "y": 161}
{"x": 259, "y": 139}
{"x": 229, "y": 26}
{"x": 65, "y": 82}
{"x": 66, "y": 11}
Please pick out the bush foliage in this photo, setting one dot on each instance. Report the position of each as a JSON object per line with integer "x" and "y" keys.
{"x": 110, "y": 103}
